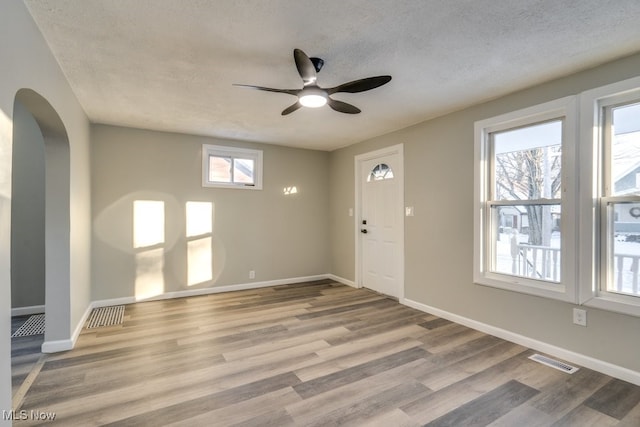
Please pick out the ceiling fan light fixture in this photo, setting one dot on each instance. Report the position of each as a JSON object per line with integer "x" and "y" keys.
{"x": 313, "y": 98}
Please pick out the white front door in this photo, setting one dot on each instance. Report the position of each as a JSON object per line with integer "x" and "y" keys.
{"x": 381, "y": 226}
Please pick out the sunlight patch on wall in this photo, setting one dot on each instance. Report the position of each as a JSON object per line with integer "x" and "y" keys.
{"x": 149, "y": 274}
{"x": 148, "y": 223}
{"x": 287, "y": 191}
{"x": 6, "y": 136}
{"x": 148, "y": 234}
{"x": 199, "y": 218}
{"x": 199, "y": 261}
{"x": 199, "y": 229}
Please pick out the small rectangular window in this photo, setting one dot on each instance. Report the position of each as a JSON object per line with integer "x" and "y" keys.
{"x": 230, "y": 167}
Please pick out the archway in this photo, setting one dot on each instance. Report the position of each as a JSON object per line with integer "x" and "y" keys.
{"x": 56, "y": 215}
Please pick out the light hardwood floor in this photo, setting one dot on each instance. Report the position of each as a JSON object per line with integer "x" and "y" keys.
{"x": 314, "y": 354}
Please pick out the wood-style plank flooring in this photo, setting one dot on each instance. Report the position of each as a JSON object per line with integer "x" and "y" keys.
{"x": 314, "y": 354}
{"x": 25, "y": 353}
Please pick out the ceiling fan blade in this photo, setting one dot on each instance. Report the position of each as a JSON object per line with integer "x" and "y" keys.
{"x": 342, "y": 107}
{"x": 360, "y": 85}
{"x": 305, "y": 67}
{"x": 291, "y": 108}
{"x": 293, "y": 92}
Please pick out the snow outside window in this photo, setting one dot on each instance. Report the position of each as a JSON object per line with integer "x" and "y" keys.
{"x": 521, "y": 200}
{"x": 611, "y": 259}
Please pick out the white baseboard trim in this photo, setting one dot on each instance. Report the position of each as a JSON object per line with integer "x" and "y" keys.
{"x": 562, "y": 353}
{"x": 23, "y": 311}
{"x": 65, "y": 345}
{"x": 207, "y": 291}
{"x": 57, "y": 346}
{"x": 341, "y": 280}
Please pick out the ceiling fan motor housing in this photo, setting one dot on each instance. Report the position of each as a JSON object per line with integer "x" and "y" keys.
{"x": 317, "y": 63}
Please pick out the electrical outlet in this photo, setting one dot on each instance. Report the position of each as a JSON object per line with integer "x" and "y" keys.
{"x": 252, "y": 274}
{"x": 580, "y": 316}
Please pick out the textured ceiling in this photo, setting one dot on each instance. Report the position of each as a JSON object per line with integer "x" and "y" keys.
{"x": 170, "y": 64}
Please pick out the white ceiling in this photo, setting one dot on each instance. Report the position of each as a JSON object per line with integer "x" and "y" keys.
{"x": 170, "y": 64}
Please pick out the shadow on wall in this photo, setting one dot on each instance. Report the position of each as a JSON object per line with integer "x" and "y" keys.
{"x": 163, "y": 242}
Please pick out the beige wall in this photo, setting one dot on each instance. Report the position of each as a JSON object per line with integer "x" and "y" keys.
{"x": 439, "y": 183}
{"x": 277, "y": 236}
{"x": 28, "y": 63}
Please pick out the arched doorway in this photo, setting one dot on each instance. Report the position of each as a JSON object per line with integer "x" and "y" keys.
{"x": 56, "y": 239}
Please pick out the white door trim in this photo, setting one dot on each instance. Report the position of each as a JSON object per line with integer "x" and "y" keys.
{"x": 359, "y": 159}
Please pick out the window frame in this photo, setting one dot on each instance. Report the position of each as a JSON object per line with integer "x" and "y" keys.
{"x": 595, "y": 199}
{"x": 233, "y": 153}
{"x": 566, "y": 110}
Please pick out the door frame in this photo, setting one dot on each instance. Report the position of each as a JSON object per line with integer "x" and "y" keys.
{"x": 399, "y": 175}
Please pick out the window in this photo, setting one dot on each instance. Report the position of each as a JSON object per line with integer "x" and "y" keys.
{"x": 522, "y": 194}
{"x": 230, "y": 167}
{"x": 380, "y": 172}
{"x": 611, "y": 122}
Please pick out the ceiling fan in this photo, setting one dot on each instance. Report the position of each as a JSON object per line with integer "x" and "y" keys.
{"x": 313, "y": 96}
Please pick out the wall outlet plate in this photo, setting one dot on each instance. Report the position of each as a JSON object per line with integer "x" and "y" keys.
{"x": 580, "y": 316}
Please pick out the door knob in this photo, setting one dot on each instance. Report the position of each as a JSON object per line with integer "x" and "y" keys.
{"x": 363, "y": 231}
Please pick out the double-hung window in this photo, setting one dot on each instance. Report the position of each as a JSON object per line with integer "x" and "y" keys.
{"x": 230, "y": 167}
{"x": 525, "y": 217}
{"x": 611, "y": 126}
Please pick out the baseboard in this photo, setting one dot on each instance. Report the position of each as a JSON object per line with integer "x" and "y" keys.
{"x": 80, "y": 325}
{"x": 342, "y": 280}
{"x": 57, "y": 346}
{"x": 562, "y": 353}
{"x": 212, "y": 290}
{"x": 23, "y": 311}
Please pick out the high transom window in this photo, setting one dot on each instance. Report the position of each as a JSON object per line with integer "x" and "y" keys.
{"x": 230, "y": 167}
{"x": 380, "y": 172}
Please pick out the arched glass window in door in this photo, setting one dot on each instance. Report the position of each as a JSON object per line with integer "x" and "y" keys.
{"x": 380, "y": 172}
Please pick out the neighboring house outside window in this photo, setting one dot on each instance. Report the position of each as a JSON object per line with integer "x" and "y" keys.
{"x": 535, "y": 230}
{"x": 611, "y": 131}
{"x": 229, "y": 167}
{"x": 522, "y": 194}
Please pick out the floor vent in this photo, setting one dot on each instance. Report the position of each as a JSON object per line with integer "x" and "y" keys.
{"x": 33, "y": 326}
{"x": 106, "y": 316}
{"x": 561, "y": 366}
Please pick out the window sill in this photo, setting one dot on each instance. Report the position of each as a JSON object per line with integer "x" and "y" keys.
{"x": 615, "y": 304}
{"x": 231, "y": 186}
{"x": 523, "y": 285}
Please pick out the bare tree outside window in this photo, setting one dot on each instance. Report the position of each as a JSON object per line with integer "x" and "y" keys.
{"x": 531, "y": 175}
{"x": 528, "y": 167}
